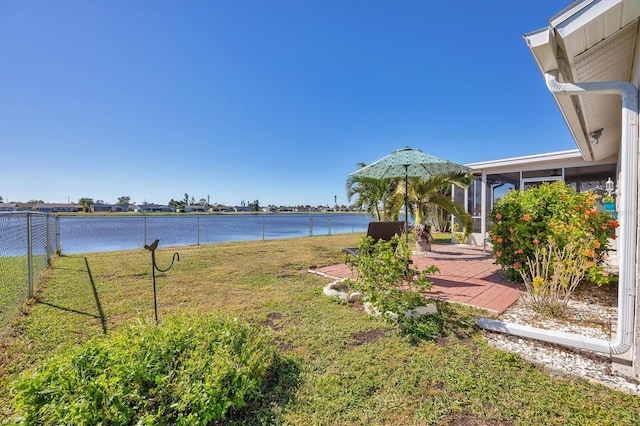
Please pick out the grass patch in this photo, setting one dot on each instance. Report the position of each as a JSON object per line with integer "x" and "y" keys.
{"x": 13, "y": 286}
{"x": 336, "y": 365}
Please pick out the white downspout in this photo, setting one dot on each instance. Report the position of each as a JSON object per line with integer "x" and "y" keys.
{"x": 627, "y": 231}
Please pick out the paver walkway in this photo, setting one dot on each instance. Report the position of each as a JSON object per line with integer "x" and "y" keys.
{"x": 467, "y": 275}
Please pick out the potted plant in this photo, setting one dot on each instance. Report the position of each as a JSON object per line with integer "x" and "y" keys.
{"x": 609, "y": 202}
{"x": 423, "y": 236}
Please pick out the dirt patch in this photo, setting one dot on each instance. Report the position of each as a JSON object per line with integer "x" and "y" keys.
{"x": 468, "y": 419}
{"x": 271, "y": 321}
{"x": 284, "y": 346}
{"x": 368, "y": 336}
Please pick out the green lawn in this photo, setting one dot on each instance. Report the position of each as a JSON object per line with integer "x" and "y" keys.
{"x": 339, "y": 365}
{"x": 13, "y": 286}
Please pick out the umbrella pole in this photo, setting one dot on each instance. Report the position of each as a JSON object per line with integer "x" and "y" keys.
{"x": 406, "y": 203}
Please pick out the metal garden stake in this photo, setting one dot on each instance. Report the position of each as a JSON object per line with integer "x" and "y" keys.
{"x": 152, "y": 248}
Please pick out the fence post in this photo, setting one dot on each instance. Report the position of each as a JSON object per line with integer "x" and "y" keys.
{"x": 311, "y": 226}
{"x": 47, "y": 248}
{"x": 29, "y": 257}
{"x": 58, "y": 246}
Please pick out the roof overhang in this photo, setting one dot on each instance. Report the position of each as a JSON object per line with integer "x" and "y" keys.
{"x": 551, "y": 160}
{"x": 590, "y": 41}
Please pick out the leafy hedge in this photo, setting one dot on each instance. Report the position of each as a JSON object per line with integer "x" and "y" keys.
{"x": 188, "y": 371}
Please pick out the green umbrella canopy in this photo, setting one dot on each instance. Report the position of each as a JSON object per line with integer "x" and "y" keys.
{"x": 407, "y": 162}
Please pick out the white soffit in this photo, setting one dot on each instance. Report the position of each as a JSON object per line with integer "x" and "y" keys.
{"x": 590, "y": 40}
{"x": 588, "y": 23}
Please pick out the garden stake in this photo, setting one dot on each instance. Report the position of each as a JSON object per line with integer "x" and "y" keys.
{"x": 152, "y": 248}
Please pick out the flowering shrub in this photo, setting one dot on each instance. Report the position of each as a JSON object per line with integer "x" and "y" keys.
{"x": 553, "y": 213}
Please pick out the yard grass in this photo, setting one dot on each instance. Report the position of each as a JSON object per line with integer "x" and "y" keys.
{"x": 13, "y": 286}
{"x": 339, "y": 365}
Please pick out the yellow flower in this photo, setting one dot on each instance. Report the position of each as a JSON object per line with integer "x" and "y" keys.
{"x": 539, "y": 285}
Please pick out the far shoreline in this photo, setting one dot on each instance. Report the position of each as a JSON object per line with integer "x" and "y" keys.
{"x": 91, "y": 214}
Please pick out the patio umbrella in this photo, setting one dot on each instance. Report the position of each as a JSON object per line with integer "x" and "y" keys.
{"x": 405, "y": 163}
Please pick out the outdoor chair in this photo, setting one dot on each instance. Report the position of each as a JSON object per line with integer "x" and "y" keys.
{"x": 384, "y": 231}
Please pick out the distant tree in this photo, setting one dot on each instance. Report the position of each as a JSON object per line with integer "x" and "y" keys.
{"x": 193, "y": 201}
{"x": 202, "y": 202}
{"x": 124, "y": 200}
{"x": 1, "y": 199}
{"x": 35, "y": 202}
{"x": 173, "y": 204}
{"x": 186, "y": 198}
{"x": 255, "y": 206}
{"x": 85, "y": 203}
{"x": 99, "y": 202}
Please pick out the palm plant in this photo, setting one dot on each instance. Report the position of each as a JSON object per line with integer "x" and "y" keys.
{"x": 372, "y": 195}
{"x": 426, "y": 193}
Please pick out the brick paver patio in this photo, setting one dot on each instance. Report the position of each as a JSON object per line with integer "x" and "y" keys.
{"x": 467, "y": 275}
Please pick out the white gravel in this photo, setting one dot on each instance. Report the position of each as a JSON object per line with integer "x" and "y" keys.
{"x": 592, "y": 313}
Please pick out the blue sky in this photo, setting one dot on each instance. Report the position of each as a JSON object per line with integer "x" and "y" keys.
{"x": 273, "y": 100}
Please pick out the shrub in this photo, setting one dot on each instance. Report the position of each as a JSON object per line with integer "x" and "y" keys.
{"x": 550, "y": 214}
{"x": 552, "y": 275}
{"x": 386, "y": 277}
{"x": 188, "y": 371}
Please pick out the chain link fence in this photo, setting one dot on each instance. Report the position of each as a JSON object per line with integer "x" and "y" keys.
{"x": 27, "y": 243}
{"x": 85, "y": 234}
{"x": 28, "y": 240}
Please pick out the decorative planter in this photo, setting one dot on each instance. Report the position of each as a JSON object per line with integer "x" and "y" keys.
{"x": 423, "y": 246}
{"x": 423, "y": 237}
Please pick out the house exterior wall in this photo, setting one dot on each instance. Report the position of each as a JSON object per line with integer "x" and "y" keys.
{"x": 635, "y": 79}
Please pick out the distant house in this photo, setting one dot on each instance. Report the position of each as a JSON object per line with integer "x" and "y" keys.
{"x": 101, "y": 208}
{"x": 242, "y": 209}
{"x": 8, "y": 207}
{"x": 154, "y": 208}
{"x": 51, "y": 208}
{"x": 195, "y": 208}
{"x": 109, "y": 208}
{"x": 220, "y": 208}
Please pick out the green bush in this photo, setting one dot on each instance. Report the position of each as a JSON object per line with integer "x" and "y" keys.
{"x": 551, "y": 213}
{"x": 386, "y": 277}
{"x": 187, "y": 371}
{"x": 390, "y": 282}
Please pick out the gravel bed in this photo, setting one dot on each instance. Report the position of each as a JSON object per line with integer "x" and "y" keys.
{"x": 592, "y": 313}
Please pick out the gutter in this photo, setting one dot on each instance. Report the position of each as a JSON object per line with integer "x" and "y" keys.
{"x": 628, "y": 202}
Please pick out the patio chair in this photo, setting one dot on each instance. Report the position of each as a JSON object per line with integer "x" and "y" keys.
{"x": 384, "y": 231}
